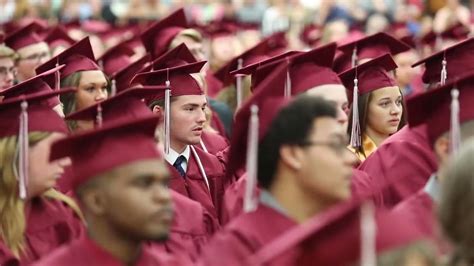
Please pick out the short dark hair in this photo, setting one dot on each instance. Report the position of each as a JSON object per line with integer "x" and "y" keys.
{"x": 292, "y": 125}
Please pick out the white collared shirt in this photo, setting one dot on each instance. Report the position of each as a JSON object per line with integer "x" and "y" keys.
{"x": 267, "y": 199}
{"x": 173, "y": 155}
{"x": 432, "y": 188}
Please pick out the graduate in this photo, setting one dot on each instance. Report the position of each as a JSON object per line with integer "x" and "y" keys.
{"x": 31, "y": 49}
{"x": 192, "y": 225}
{"x": 36, "y": 219}
{"x": 377, "y": 104}
{"x": 124, "y": 195}
{"x": 81, "y": 73}
{"x": 169, "y": 33}
{"x": 447, "y": 125}
{"x": 7, "y": 65}
{"x": 196, "y": 173}
{"x": 404, "y": 162}
{"x": 307, "y": 73}
{"x": 58, "y": 40}
{"x": 211, "y": 141}
{"x": 284, "y": 162}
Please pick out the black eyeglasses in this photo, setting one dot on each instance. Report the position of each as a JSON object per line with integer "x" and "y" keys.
{"x": 338, "y": 146}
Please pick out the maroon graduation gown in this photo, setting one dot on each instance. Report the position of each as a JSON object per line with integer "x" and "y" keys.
{"x": 192, "y": 227}
{"x": 6, "y": 257}
{"x": 244, "y": 236}
{"x": 50, "y": 224}
{"x": 193, "y": 185}
{"x": 215, "y": 143}
{"x": 85, "y": 252}
{"x": 420, "y": 210}
{"x": 401, "y": 165}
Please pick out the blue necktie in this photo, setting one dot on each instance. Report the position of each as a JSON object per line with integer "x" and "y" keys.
{"x": 177, "y": 165}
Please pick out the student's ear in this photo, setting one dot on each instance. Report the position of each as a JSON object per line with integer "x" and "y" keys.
{"x": 291, "y": 156}
{"x": 94, "y": 201}
{"x": 441, "y": 148}
{"x": 157, "y": 110}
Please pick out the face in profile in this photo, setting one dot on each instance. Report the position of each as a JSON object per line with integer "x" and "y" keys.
{"x": 327, "y": 164}
{"x": 136, "y": 200}
{"x": 43, "y": 174}
{"x": 188, "y": 117}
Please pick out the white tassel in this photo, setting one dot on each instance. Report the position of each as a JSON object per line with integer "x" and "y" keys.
{"x": 23, "y": 147}
{"x": 98, "y": 118}
{"x": 201, "y": 167}
{"x": 444, "y": 72}
{"x": 203, "y": 146}
{"x": 355, "y": 132}
{"x": 238, "y": 83}
{"x": 113, "y": 88}
{"x": 354, "y": 57}
{"x": 250, "y": 198}
{"x": 455, "y": 130}
{"x": 167, "y": 143}
{"x": 287, "y": 93}
{"x": 57, "y": 78}
{"x": 368, "y": 233}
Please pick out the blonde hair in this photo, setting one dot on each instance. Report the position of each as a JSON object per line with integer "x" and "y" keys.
{"x": 191, "y": 33}
{"x": 12, "y": 208}
{"x": 7, "y": 52}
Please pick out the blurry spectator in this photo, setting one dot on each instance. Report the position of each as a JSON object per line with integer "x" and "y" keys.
{"x": 335, "y": 31}
{"x": 450, "y": 14}
{"x": 408, "y": 78}
{"x": 8, "y": 9}
{"x": 376, "y": 23}
{"x": 251, "y": 11}
{"x": 276, "y": 17}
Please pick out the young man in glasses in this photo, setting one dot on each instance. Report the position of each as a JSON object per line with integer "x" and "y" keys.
{"x": 7, "y": 66}
{"x": 303, "y": 168}
{"x": 31, "y": 49}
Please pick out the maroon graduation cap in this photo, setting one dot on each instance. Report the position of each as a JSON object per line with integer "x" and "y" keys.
{"x": 178, "y": 56}
{"x": 370, "y": 47}
{"x": 78, "y": 57}
{"x": 443, "y": 109}
{"x": 311, "y": 35}
{"x": 44, "y": 82}
{"x": 24, "y": 114}
{"x": 116, "y": 58}
{"x": 270, "y": 46}
{"x": 304, "y": 70}
{"x": 456, "y": 59}
{"x": 157, "y": 38}
{"x": 129, "y": 102}
{"x": 25, "y": 36}
{"x": 58, "y": 36}
{"x": 90, "y": 151}
{"x": 121, "y": 79}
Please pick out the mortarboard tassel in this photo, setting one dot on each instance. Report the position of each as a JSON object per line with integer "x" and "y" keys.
{"x": 99, "y": 118}
{"x": 444, "y": 71}
{"x": 57, "y": 77}
{"x": 203, "y": 146}
{"x": 287, "y": 93}
{"x": 355, "y": 132}
{"x": 201, "y": 167}
{"x": 455, "y": 130}
{"x": 113, "y": 88}
{"x": 101, "y": 64}
{"x": 167, "y": 114}
{"x": 250, "y": 199}
{"x": 354, "y": 57}
{"x": 368, "y": 232}
{"x": 238, "y": 83}
{"x": 23, "y": 147}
